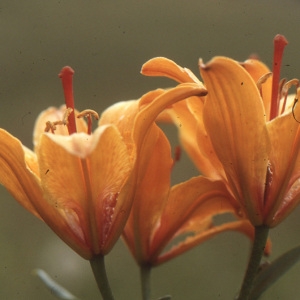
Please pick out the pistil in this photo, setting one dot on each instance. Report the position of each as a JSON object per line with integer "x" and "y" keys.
{"x": 66, "y": 76}
{"x": 279, "y": 44}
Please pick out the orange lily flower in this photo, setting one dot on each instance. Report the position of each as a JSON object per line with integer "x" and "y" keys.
{"x": 80, "y": 183}
{"x": 160, "y": 213}
{"x": 242, "y": 132}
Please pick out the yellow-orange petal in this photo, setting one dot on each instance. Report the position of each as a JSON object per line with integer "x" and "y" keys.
{"x": 242, "y": 226}
{"x": 149, "y": 113}
{"x": 15, "y": 175}
{"x": 134, "y": 118}
{"x": 122, "y": 115}
{"x": 31, "y": 161}
{"x": 161, "y": 66}
{"x": 198, "y": 196}
{"x": 187, "y": 115}
{"x": 257, "y": 69}
{"x": 283, "y": 190}
{"x": 82, "y": 176}
{"x": 234, "y": 119}
{"x": 151, "y": 195}
{"x": 111, "y": 185}
{"x": 22, "y": 182}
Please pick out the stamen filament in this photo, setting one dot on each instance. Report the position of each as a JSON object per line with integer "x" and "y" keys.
{"x": 279, "y": 43}
{"x": 66, "y": 76}
{"x": 89, "y": 113}
{"x": 294, "y": 105}
{"x": 285, "y": 90}
{"x": 261, "y": 81}
{"x": 51, "y": 126}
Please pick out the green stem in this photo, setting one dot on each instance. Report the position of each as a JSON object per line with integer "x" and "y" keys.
{"x": 98, "y": 267}
{"x": 260, "y": 238}
{"x": 145, "y": 271}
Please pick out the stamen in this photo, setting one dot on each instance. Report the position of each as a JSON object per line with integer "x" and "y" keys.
{"x": 281, "y": 85}
{"x": 262, "y": 80}
{"x": 279, "y": 43}
{"x": 294, "y": 105}
{"x": 67, "y": 114}
{"x": 89, "y": 113}
{"x": 51, "y": 126}
{"x": 66, "y": 76}
{"x": 285, "y": 90}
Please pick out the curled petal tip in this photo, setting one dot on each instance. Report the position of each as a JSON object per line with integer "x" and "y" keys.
{"x": 65, "y": 71}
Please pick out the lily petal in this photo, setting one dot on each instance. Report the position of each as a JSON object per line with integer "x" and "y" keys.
{"x": 208, "y": 162}
{"x": 111, "y": 184}
{"x": 234, "y": 119}
{"x": 151, "y": 196}
{"x": 150, "y": 112}
{"x": 54, "y": 114}
{"x": 23, "y": 184}
{"x": 242, "y": 226}
{"x": 93, "y": 167}
{"x": 15, "y": 174}
{"x": 257, "y": 69}
{"x": 144, "y": 113}
{"x": 161, "y": 66}
{"x": 122, "y": 115}
{"x": 283, "y": 193}
{"x": 198, "y": 197}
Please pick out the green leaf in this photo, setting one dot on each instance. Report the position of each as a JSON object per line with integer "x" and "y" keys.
{"x": 56, "y": 289}
{"x": 270, "y": 274}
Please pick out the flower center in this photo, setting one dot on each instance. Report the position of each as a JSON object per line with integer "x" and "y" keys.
{"x": 68, "y": 120}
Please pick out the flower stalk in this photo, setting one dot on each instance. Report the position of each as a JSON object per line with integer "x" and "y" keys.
{"x": 261, "y": 235}
{"x": 145, "y": 272}
{"x": 99, "y": 270}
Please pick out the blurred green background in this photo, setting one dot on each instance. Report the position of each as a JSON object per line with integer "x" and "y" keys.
{"x": 106, "y": 42}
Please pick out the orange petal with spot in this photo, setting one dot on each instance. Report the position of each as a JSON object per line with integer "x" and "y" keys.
{"x": 82, "y": 176}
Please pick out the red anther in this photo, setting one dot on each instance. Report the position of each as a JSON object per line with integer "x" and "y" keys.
{"x": 66, "y": 76}
{"x": 279, "y": 44}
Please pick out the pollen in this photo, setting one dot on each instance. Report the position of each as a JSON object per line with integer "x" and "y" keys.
{"x": 51, "y": 126}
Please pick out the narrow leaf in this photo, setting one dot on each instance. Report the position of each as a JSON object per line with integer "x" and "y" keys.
{"x": 270, "y": 274}
{"x": 55, "y": 289}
